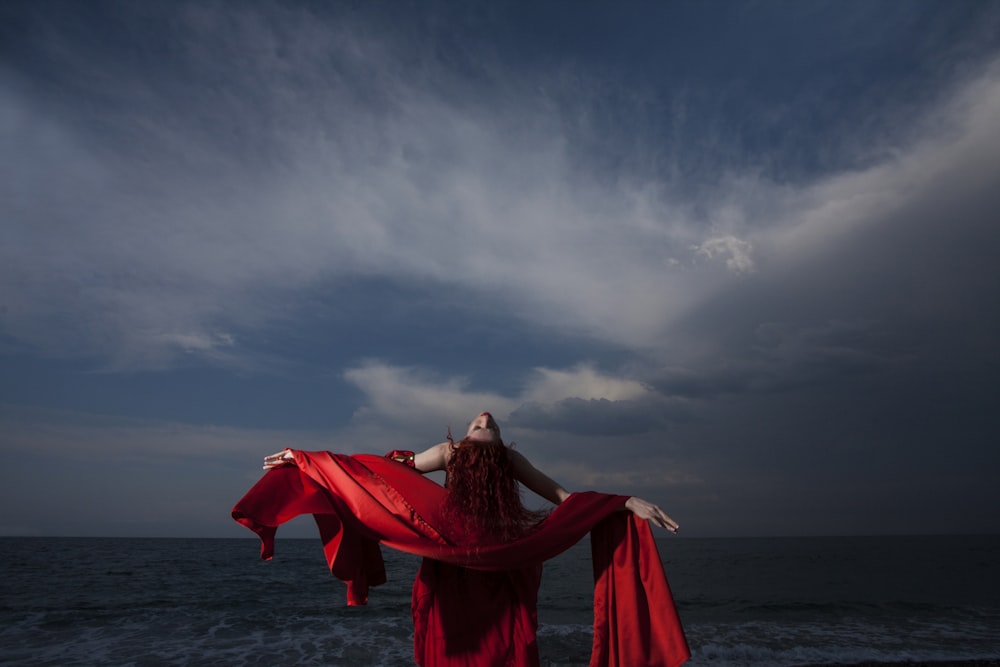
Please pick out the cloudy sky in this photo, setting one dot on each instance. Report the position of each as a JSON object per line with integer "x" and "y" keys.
{"x": 737, "y": 258}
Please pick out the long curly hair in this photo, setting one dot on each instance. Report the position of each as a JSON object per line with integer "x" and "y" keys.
{"x": 484, "y": 498}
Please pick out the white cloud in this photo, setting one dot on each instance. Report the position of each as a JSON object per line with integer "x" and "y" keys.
{"x": 411, "y": 398}
{"x": 737, "y": 253}
{"x": 405, "y": 395}
{"x": 174, "y": 234}
{"x": 562, "y": 403}
{"x": 954, "y": 148}
{"x": 142, "y": 243}
{"x": 549, "y": 386}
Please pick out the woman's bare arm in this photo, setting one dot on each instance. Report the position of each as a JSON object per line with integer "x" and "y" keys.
{"x": 433, "y": 458}
{"x": 540, "y": 483}
{"x": 535, "y": 479}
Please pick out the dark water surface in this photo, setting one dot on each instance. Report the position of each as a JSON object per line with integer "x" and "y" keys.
{"x": 774, "y": 601}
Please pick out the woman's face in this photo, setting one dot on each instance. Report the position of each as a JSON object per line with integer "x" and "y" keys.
{"x": 483, "y": 429}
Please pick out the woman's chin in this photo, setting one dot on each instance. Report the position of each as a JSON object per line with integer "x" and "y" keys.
{"x": 485, "y": 438}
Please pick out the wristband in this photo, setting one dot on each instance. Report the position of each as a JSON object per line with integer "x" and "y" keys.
{"x": 404, "y": 456}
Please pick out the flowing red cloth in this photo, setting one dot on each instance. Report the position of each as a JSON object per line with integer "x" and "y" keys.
{"x": 362, "y": 500}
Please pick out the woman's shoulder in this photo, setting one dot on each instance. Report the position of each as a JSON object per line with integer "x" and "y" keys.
{"x": 433, "y": 458}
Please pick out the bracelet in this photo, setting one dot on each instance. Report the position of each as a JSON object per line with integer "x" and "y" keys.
{"x": 404, "y": 456}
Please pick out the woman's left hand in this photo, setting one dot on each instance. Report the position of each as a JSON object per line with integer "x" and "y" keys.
{"x": 644, "y": 509}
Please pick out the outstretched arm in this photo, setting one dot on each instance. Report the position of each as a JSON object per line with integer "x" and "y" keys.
{"x": 535, "y": 479}
{"x": 433, "y": 458}
{"x": 540, "y": 483}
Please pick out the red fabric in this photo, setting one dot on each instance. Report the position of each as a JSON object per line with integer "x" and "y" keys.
{"x": 359, "y": 501}
{"x": 498, "y": 630}
{"x": 629, "y": 577}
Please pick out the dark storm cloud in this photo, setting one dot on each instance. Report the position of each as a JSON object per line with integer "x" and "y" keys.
{"x": 600, "y": 417}
{"x": 736, "y": 257}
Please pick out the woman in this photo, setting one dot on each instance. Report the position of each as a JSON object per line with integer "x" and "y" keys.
{"x": 474, "y": 598}
{"x": 483, "y": 430}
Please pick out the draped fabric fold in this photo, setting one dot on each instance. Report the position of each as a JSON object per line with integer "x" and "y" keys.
{"x": 361, "y": 501}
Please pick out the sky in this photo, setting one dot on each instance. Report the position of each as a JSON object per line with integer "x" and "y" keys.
{"x": 737, "y": 258}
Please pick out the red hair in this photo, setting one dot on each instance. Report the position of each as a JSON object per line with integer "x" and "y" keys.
{"x": 484, "y": 498}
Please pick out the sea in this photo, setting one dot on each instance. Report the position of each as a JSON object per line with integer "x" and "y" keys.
{"x": 747, "y": 601}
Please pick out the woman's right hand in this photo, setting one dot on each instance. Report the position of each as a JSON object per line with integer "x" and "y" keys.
{"x": 279, "y": 459}
{"x": 643, "y": 509}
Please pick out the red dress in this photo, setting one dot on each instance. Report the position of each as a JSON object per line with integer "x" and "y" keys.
{"x": 469, "y": 606}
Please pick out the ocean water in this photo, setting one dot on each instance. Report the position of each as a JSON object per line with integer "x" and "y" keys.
{"x": 776, "y": 601}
